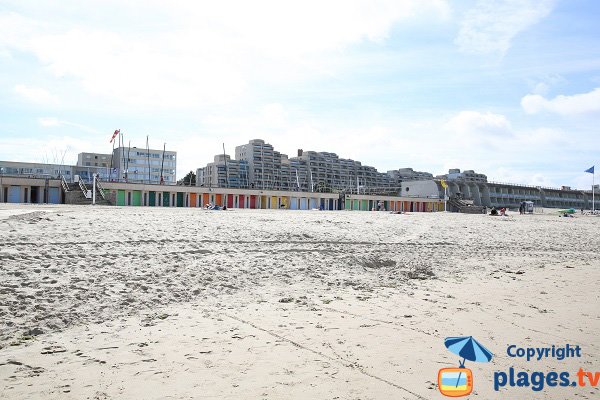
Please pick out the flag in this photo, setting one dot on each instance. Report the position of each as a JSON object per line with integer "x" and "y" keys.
{"x": 115, "y": 135}
{"x": 590, "y": 170}
{"x": 444, "y": 184}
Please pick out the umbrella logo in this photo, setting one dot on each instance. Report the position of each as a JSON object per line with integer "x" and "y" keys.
{"x": 457, "y": 382}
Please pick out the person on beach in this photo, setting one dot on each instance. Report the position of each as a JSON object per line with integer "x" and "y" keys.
{"x": 494, "y": 212}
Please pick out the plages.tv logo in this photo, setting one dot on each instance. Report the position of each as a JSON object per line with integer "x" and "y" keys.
{"x": 457, "y": 382}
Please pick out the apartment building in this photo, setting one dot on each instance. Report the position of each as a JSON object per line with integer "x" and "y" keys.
{"x": 94, "y": 160}
{"x": 264, "y": 164}
{"x": 223, "y": 172}
{"x": 310, "y": 171}
{"x": 139, "y": 165}
{"x": 325, "y": 172}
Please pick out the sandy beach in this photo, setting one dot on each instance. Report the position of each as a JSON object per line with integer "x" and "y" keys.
{"x": 180, "y": 303}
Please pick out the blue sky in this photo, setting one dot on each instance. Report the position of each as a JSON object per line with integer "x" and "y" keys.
{"x": 508, "y": 88}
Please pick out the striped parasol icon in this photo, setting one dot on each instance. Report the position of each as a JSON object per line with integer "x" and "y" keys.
{"x": 469, "y": 349}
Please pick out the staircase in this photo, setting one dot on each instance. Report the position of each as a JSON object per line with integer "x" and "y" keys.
{"x": 79, "y": 193}
{"x": 464, "y": 206}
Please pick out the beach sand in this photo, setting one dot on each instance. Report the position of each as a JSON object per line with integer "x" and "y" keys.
{"x": 167, "y": 303}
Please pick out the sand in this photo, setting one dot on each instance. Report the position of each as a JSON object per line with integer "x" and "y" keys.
{"x": 164, "y": 303}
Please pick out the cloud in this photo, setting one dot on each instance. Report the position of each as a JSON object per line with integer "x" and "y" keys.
{"x": 491, "y": 25}
{"x": 274, "y": 115}
{"x": 563, "y": 105}
{"x": 52, "y": 149}
{"x": 544, "y": 83}
{"x": 198, "y": 54}
{"x": 478, "y": 127}
{"x": 49, "y": 122}
{"x": 35, "y": 94}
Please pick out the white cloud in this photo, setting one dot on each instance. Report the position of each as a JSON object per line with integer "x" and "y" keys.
{"x": 475, "y": 126}
{"x": 491, "y": 25}
{"x": 543, "y": 84}
{"x": 35, "y": 94}
{"x": 194, "y": 54}
{"x": 274, "y": 115}
{"x": 49, "y": 122}
{"x": 564, "y": 105}
{"x": 53, "y": 149}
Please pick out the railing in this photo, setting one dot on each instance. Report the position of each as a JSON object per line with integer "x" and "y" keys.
{"x": 510, "y": 184}
{"x": 100, "y": 189}
{"x": 532, "y": 186}
{"x": 64, "y": 184}
{"x": 84, "y": 189}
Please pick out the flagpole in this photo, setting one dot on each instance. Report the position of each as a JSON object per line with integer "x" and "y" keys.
{"x": 593, "y": 199}
{"x": 112, "y": 157}
{"x": 121, "y": 156}
{"x": 445, "y": 186}
{"x": 162, "y": 164}
{"x": 226, "y": 169}
{"x": 148, "y": 158}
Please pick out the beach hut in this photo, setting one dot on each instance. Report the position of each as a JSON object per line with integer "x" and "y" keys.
{"x": 136, "y": 198}
{"x": 120, "y": 197}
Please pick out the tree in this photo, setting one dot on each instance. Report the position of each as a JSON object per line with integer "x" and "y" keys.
{"x": 188, "y": 180}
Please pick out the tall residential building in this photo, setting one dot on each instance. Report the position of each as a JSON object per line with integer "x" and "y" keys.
{"x": 143, "y": 166}
{"x": 264, "y": 164}
{"x": 327, "y": 172}
{"x": 223, "y": 172}
{"x": 269, "y": 169}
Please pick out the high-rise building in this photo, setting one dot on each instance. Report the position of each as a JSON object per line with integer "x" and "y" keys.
{"x": 268, "y": 169}
{"x": 223, "y": 172}
{"x": 264, "y": 164}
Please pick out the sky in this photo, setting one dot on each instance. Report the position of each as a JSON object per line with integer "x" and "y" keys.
{"x": 508, "y": 88}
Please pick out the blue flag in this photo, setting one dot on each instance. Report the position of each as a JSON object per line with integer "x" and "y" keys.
{"x": 590, "y": 170}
